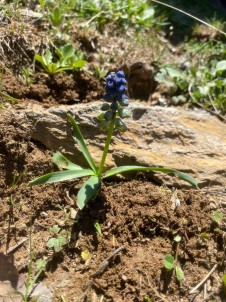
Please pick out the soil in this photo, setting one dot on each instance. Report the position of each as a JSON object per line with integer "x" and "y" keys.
{"x": 138, "y": 218}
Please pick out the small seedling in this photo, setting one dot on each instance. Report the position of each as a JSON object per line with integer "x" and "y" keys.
{"x": 171, "y": 263}
{"x": 203, "y": 85}
{"x": 114, "y": 111}
{"x": 61, "y": 238}
{"x": 66, "y": 59}
{"x": 56, "y": 17}
{"x": 98, "y": 227}
{"x": 217, "y": 217}
{"x": 27, "y": 76}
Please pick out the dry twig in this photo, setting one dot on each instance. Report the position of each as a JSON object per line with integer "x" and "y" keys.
{"x": 101, "y": 268}
{"x": 203, "y": 281}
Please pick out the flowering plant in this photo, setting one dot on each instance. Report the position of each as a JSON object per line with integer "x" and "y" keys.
{"x": 114, "y": 110}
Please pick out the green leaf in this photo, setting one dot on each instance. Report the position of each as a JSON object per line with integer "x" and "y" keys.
{"x": 224, "y": 283}
{"x": 98, "y": 227}
{"x": 88, "y": 190}
{"x": 168, "y": 262}
{"x": 82, "y": 143}
{"x": 47, "y": 57}
{"x": 55, "y": 229}
{"x": 174, "y": 71}
{"x": 51, "y": 242}
{"x": 148, "y": 13}
{"x": 56, "y": 17}
{"x": 204, "y": 90}
{"x": 62, "y": 162}
{"x": 179, "y": 274}
{"x": 41, "y": 264}
{"x": 79, "y": 64}
{"x": 221, "y": 65}
{"x": 60, "y": 176}
{"x": 9, "y": 97}
{"x": 122, "y": 169}
{"x": 217, "y": 217}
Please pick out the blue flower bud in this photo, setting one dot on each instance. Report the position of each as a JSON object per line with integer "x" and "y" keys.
{"x": 120, "y": 74}
{"x": 110, "y": 76}
{"x": 110, "y": 84}
{"x": 121, "y": 88}
{"x": 114, "y": 106}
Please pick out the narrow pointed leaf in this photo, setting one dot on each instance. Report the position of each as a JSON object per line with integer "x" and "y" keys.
{"x": 88, "y": 190}
{"x": 60, "y": 176}
{"x": 123, "y": 169}
{"x": 62, "y": 162}
{"x": 82, "y": 143}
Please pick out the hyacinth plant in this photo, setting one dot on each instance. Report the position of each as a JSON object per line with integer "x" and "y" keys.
{"x": 114, "y": 110}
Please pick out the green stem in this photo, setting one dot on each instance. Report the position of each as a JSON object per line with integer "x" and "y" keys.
{"x": 106, "y": 147}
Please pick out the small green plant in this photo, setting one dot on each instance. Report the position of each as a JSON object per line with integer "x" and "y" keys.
{"x": 123, "y": 13}
{"x": 33, "y": 274}
{"x": 27, "y": 76}
{"x": 56, "y": 17}
{"x": 171, "y": 263}
{"x": 65, "y": 59}
{"x": 114, "y": 110}
{"x": 202, "y": 85}
{"x": 59, "y": 239}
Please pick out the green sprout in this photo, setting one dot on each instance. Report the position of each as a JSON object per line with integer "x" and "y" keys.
{"x": 171, "y": 263}
{"x": 114, "y": 110}
{"x": 59, "y": 239}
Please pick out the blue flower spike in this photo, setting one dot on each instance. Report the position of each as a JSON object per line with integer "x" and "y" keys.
{"x": 115, "y": 89}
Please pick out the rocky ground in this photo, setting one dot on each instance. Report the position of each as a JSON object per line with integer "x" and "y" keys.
{"x": 140, "y": 215}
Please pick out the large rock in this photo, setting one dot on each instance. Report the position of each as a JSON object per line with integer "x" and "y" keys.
{"x": 190, "y": 141}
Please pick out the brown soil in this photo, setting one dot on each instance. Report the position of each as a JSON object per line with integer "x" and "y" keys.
{"x": 136, "y": 216}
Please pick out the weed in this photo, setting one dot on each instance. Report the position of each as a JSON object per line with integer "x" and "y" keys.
{"x": 66, "y": 59}
{"x": 203, "y": 85}
{"x": 32, "y": 275}
{"x": 114, "y": 110}
{"x": 171, "y": 263}
{"x": 27, "y": 76}
{"x": 124, "y": 14}
{"x": 59, "y": 239}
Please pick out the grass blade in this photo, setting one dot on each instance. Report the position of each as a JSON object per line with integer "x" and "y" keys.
{"x": 82, "y": 143}
{"x": 123, "y": 169}
{"x": 62, "y": 162}
{"x": 60, "y": 176}
{"x": 88, "y": 190}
